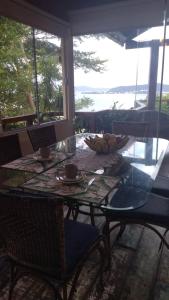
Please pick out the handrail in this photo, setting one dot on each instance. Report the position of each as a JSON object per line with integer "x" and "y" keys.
{"x": 29, "y": 119}
{"x": 87, "y": 119}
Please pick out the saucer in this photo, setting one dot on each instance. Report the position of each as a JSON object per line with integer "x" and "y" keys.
{"x": 67, "y": 180}
{"x": 41, "y": 159}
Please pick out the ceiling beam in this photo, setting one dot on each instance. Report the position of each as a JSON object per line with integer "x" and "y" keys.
{"x": 120, "y": 15}
{"x": 28, "y": 14}
{"x": 135, "y": 45}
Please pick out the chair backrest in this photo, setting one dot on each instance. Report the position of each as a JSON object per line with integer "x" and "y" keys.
{"x": 138, "y": 129}
{"x": 42, "y": 136}
{"x": 9, "y": 148}
{"x": 33, "y": 230}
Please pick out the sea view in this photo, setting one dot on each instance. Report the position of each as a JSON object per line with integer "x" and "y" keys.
{"x": 107, "y": 101}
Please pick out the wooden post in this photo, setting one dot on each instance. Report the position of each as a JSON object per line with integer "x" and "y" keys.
{"x": 68, "y": 75}
{"x": 153, "y": 74}
{"x": 1, "y": 127}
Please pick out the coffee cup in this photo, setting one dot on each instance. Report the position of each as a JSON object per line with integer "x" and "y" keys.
{"x": 44, "y": 152}
{"x": 71, "y": 171}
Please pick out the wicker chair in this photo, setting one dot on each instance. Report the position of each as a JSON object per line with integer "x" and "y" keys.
{"x": 41, "y": 136}
{"x": 137, "y": 129}
{"x": 154, "y": 212}
{"x": 41, "y": 242}
{"x": 10, "y": 148}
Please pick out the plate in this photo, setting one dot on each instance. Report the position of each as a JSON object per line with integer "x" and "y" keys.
{"x": 66, "y": 180}
{"x": 41, "y": 159}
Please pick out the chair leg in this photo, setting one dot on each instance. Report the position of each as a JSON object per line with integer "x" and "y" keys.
{"x": 12, "y": 281}
{"x": 122, "y": 228}
{"x": 103, "y": 258}
{"x": 75, "y": 212}
{"x": 92, "y": 215}
{"x": 162, "y": 243}
{"x": 69, "y": 212}
{"x": 57, "y": 295}
{"x": 106, "y": 233}
{"x": 80, "y": 267}
{"x": 65, "y": 292}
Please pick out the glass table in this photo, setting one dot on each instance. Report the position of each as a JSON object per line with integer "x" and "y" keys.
{"x": 10, "y": 178}
{"x": 122, "y": 180}
{"x": 35, "y": 163}
{"x": 145, "y": 157}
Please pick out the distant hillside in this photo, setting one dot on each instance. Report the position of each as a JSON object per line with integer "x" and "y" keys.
{"x": 90, "y": 90}
{"x": 141, "y": 89}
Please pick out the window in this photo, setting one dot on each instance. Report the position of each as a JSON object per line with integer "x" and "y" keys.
{"x": 31, "y": 72}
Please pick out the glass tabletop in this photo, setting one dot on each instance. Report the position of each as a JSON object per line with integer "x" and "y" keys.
{"x": 133, "y": 168}
{"x": 92, "y": 190}
{"x": 10, "y": 178}
{"x": 35, "y": 163}
{"x": 137, "y": 165}
{"x": 144, "y": 154}
{"x": 145, "y": 157}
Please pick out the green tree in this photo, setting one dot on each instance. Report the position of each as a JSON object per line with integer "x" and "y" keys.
{"x": 17, "y": 73}
{"x": 87, "y": 60}
{"x": 83, "y": 102}
{"x": 15, "y": 68}
{"x": 164, "y": 103}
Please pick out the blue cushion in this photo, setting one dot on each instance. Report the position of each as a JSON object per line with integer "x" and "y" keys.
{"x": 78, "y": 239}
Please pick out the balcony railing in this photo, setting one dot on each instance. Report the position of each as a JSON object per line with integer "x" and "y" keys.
{"x": 13, "y": 122}
{"x": 99, "y": 121}
{"x": 88, "y": 121}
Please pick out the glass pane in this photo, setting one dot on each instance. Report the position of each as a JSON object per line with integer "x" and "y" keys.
{"x": 49, "y": 76}
{"x": 118, "y": 78}
{"x": 31, "y": 87}
{"x": 165, "y": 86}
{"x": 113, "y": 76}
{"x": 16, "y": 69}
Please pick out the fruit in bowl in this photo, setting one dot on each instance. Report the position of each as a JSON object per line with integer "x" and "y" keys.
{"x": 106, "y": 144}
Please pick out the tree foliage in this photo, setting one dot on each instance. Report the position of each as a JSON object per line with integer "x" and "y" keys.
{"x": 83, "y": 102}
{"x": 88, "y": 62}
{"x": 17, "y": 69}
{"x": 164, "y": 103}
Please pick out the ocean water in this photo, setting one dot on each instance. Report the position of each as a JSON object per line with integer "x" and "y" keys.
{"x": 108, "y": 101}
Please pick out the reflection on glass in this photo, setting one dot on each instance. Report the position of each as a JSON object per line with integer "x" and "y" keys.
{"x": 147, "y": 152}
{"x": 13, "y": 178}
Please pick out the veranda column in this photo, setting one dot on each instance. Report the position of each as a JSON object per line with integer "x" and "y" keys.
{"x": 1, "y": 127}
{"x": 68, "y": 79}
{"x": 153, "y": 74}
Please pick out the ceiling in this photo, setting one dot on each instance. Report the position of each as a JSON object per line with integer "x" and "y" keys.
{"x": 53, "y": 7}
{"x": 62, "y": 8}
{"x": 81, "y": 4}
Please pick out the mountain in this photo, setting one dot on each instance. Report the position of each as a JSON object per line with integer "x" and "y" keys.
{"x": 90, "y": 90}
{"x": 141, "y": 89}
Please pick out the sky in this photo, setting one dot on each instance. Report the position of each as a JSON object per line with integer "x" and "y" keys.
{"x": 122, "y": 66}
